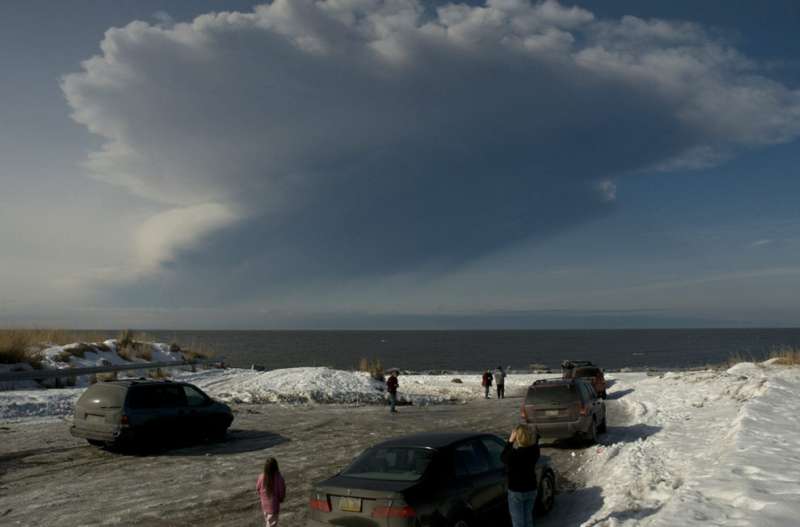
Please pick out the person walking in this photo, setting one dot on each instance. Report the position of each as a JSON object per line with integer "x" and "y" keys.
{"x": 500, "y": 382}
{"x": 271, "y": 490}
{"x": 486, "y": 382}
{"x": 391, "y": 386}
{"x": 520, "y": 456}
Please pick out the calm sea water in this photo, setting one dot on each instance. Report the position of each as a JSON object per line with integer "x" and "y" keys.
{"x": 478, "y": 350}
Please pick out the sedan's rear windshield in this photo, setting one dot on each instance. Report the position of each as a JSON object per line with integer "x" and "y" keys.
{"x": 394, "y": 463}
{"x": 586, "y": 372}
{"x": 559, "y": 393}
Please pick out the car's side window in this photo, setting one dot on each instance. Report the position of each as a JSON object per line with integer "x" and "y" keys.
{"x": 193, "y": 396}
{"x": 172, "y": 395}
{"x": 140, "y": 398}
{"x": 494, "y": 448}
{"x": 470, "y": 459}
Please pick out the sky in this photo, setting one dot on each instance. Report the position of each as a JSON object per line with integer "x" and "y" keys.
{"x": 399, "y": 164}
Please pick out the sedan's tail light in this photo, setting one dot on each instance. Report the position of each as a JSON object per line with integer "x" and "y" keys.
{"x": 318, "y": 504}
{"x": 124, "y": 420}
{"x": 393, "y": 512}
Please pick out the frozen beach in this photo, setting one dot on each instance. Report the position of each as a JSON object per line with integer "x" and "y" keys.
{"x": 719, "y": 447}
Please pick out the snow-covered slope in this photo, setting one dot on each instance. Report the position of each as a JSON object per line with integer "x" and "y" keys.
{"x": 699, "y": 448}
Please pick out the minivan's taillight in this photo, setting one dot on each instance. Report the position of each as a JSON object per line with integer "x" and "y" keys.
{"x": 124, "y": 419}
{"x": 523, "y": 413}
{"x": 320, "y": 504}
{"x": 393, "y": 512}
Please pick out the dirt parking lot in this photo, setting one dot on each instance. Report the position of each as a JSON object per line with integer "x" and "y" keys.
{"x": 49, "y": 478}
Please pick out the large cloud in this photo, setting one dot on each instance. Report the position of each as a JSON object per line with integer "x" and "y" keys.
{"x": 347, "y": 137}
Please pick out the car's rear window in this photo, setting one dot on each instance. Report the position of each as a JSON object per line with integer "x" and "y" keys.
{"x": 103, "y": 395}
{"x": 559, "y": 393}
{"x": 391, "y": 463}
{"x": 586, "y": 372}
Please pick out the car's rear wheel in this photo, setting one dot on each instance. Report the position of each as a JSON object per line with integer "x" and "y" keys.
{"x": 546, "y": 496}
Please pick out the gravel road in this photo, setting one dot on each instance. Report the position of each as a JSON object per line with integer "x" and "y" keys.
{"x": 49, "y": 478}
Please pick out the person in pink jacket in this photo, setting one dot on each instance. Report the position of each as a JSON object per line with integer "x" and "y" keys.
{"x": 271, "y": 489}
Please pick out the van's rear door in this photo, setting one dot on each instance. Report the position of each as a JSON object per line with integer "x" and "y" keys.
{"x": 552, "y": 403}
{"x": 99, "y": 408}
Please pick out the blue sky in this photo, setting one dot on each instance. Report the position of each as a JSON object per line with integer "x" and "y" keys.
{"x": 400, "y": 164}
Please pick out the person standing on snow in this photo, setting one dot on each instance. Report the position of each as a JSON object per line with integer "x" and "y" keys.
{"x": 520, "y": 456}
{"x": 391, "y": 387}
{"x": 271, "y": 490}
{"x": 500, "y": 381}
{"x": 486, "y": 382}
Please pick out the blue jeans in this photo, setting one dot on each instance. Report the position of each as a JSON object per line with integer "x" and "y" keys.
{"x": 392, "y": 401}
{"x": 520, "y": 505}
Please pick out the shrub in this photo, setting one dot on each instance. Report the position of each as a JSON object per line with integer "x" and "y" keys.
{"x": 126, "y": 339}
{"x": 786, "y": 356}
{"x": 158, "y": 373}
{"x": 737, "y": 358}
{"x": 79, "y": 349}
{"x": 373, "y": 367}
{"x": 136, "y": 351}
{"x": 18, "y": 346}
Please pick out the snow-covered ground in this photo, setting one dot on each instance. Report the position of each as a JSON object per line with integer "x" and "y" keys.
{"x": 683, "y": 448}
{"x": 696, "y": 448}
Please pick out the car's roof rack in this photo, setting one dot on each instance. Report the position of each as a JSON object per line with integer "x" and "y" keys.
{"x": 552, "y": 381}
{"x": 569, "y": 364}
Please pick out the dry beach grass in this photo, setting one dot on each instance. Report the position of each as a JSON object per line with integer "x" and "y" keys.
{"x": 26, "y": 345}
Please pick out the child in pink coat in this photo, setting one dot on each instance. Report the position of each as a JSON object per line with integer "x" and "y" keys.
{"x": 271, "y": 489}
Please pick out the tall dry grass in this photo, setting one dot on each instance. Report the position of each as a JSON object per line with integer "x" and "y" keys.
{"x": 787, "y": 356}
{"x": 19, "y": 346}
{"x": 373, "y": 367}
{"x": 26, "y": 345}
{"x": 737, "y": 358}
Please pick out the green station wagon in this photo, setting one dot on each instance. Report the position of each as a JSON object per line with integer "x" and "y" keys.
{"x": 130, "y": 412}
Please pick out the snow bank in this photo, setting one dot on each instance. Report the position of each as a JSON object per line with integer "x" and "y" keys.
{"x": 699, "y": 448}
{"x": 38, "y": 403}
{"x": 321, "y": 385}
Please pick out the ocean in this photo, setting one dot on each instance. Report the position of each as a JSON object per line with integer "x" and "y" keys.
{"x": 479, "y": 350}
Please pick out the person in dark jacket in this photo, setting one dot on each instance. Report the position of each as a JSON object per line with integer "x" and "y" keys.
{"x": 520, "y": 456}
{"x": 486, "y": 382}
{"x": 391, "y": 387}
{"x": 500, "y": 381}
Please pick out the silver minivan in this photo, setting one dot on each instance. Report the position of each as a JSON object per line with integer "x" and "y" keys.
{"x": 129, "y": 412}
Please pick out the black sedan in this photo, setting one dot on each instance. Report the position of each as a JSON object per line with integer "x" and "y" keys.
{"x": 424, "y": 480}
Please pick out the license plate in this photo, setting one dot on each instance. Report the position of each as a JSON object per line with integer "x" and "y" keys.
{"x": 95, "y": 418}
{"x": 350, "y": 504}
{"x": 551, "y": 413}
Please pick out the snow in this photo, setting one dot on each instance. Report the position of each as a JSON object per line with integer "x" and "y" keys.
{"x": 697, "y": 448}
{"x": 715, "y": 447}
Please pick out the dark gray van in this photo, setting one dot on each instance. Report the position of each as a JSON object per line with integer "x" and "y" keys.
{"x": 126, "y": 412}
